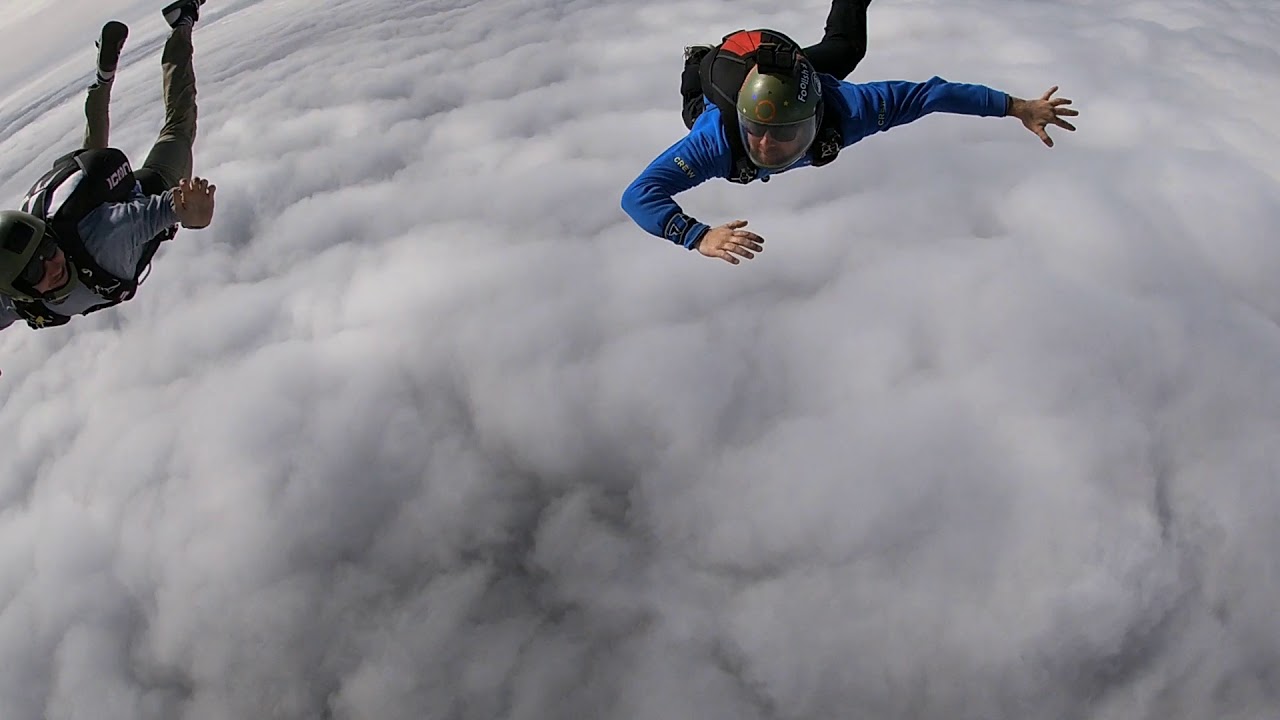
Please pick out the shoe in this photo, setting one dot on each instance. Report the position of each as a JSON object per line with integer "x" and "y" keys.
{"x": 109, "y": 45}
{"x": 182, "y": 11}
{"x": 693, "y": 54}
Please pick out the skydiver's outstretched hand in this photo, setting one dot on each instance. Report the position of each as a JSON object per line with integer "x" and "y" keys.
{"x": 729, "y": 240}
{"x": 193, "y": 202}
{"x": 1038, "y": 114}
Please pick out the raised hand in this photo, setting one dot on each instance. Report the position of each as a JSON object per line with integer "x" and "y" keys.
{"x": 1037, "y": 115}
{"x": 193, "y": 202}
{"x": 729, "y": 241}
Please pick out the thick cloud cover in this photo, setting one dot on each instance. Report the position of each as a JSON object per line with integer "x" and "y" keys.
{"x": 424, "y": 427}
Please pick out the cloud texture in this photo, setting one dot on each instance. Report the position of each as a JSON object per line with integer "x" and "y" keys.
{"x": 424, "y": 427}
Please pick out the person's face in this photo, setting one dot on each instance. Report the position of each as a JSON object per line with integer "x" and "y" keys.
{"x": 47, "y": 269}
{"x": 777, "y": 146}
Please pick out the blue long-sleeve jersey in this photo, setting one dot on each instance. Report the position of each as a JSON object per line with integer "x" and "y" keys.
{"x": 865, "y": 108}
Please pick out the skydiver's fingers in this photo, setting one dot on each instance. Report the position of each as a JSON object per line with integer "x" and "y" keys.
{"x": 750, "y": 244}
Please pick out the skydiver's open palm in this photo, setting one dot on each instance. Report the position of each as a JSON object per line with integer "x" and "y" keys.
{"x": 1047, "y": 110}
{"x": 193, "y": 202}
{"x": 729, "y": 241}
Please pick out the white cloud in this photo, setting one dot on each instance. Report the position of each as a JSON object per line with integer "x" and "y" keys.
{"x": 423, "y": 426}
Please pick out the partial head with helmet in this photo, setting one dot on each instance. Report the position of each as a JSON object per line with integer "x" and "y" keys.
{"x": 32, "y": 266}
{"x": 779, "y": 108}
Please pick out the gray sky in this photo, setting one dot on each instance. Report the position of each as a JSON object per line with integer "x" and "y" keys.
{"x": 424, "y": 427}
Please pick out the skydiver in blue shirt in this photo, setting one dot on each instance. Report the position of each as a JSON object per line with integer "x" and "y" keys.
{"x": 758, "y": 104}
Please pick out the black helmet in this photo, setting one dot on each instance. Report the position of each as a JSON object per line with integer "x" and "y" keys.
{"x": 25, "y": 244}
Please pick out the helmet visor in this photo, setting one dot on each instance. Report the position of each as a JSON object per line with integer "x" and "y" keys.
{"x": 33, "y": 272}
{"x": 777, "y": 146}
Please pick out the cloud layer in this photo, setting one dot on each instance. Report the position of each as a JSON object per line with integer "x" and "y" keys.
{"x": 423, "y": 426}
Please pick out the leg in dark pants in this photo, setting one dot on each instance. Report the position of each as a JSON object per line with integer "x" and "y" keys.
{"x": 170, "y": 159}
{"x": 691, "y": 90}
{"x": 844, "y": 42}
{"x": 97, "y": 103}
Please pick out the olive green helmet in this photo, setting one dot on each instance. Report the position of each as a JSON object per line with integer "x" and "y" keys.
{"x": 25, "y": 244}
{"x": 779, "y": 108}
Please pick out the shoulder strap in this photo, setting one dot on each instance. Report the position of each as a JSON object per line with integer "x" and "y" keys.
{"x": 38, "y": 316}
{"x": 79, "y": 182}
{"x": 830, "y": 139}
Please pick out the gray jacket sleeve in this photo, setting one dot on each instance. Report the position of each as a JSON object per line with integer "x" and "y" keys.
{"x": 116, "y": 234}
